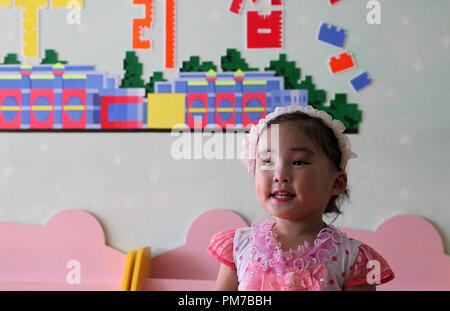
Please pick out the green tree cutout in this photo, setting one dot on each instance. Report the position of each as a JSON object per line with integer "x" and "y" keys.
{"x": 51, "y": 57}
{"x": 157, "y": 77}
{"x": 233, "y": 61}
{"x": 349, "y": 114}
{"x": 286, "y": 69}
{"x": 316, "y": 98}
{"x": 133, "y": 71}
{"x": 11, "y": 59}
{"x": 194, "y": 65}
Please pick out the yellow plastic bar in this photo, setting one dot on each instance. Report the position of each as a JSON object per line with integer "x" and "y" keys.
{"x": 141, "y": 268}
{"x": 128, "y": 273}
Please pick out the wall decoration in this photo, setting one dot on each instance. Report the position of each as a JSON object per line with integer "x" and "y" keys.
{"x": 332, "y": 35}
{"x": 265, "y": 31}
{"x": 332, "y": 2}
{"x": 67, "y": 97}
{"x": 57, "y": 95}
{"x": 170, "y": 33}
{"x": 30, "y": 20}
{"x": 361, "y": 81}
{"x": 139, "y": 24}
{"x": 342, "y": 62}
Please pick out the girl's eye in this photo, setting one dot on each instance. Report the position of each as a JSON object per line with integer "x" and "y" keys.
{"x": 266, "y": 162}
{"x": 299, "y": 162}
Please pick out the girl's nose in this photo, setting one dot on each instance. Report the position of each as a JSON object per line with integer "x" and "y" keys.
{"x": 281, "y": 176}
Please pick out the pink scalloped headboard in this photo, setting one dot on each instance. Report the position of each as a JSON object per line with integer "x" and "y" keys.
{"x": 414, "y": 250}
{"x": 35, "y": 257}
{"x": 42, "y": 257}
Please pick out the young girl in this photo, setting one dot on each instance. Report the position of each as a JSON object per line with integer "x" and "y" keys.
{"x": 298, "y": 157}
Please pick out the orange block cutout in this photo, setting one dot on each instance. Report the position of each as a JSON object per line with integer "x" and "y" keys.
{"x": 341, "y": 62}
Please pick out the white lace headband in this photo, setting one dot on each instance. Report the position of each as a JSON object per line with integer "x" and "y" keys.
{"x": 248, "y": 155}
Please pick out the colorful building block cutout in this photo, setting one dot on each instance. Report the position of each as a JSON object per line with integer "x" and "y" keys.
{"x": 342, "y": 62}
{"x": 361, "y": 81}
{"x": 332, "y": 35}
{"x": 265, "y": 31}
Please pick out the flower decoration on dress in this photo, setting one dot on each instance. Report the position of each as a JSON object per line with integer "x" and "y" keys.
{"x": 273, "y": 258}
{"x": 312, "y": 279}
{"x": 250, "y": 140}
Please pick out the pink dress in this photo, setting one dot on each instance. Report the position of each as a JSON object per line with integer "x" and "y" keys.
{"x": 334, "y": 262}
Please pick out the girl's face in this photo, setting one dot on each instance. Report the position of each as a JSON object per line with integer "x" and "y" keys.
{"x": 291, "y": 163}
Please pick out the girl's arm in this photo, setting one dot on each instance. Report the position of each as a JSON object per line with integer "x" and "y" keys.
{"x": 226, "y": 279}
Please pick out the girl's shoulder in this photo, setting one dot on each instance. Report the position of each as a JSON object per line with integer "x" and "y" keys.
{"x": 223, "y": 244}
{"x": 358, "y": 263}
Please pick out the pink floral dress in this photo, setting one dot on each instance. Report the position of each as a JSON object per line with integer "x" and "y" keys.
{"x": 334, "y": 262}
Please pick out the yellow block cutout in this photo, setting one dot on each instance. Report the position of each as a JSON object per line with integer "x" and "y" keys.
{"x": 166, "y": 111}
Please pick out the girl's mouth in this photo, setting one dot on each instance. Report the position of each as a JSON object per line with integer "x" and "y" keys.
{"x": 282, "y": 196}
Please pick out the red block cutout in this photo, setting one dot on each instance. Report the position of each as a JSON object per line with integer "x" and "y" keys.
{"x": 264, "y": 31}
{"x": 236, "y": 6}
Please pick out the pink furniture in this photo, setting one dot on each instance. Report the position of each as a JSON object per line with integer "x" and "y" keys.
{"x": 69, "y": 253}
{"x": 71, "y": 244}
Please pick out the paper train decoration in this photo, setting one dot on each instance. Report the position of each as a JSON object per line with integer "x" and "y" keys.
{"x": 79, "y": 97}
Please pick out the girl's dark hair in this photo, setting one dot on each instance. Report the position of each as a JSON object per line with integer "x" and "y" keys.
{"x": 323, "y": 138}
